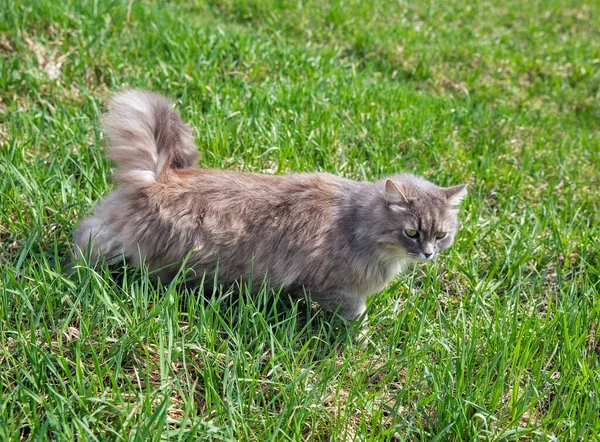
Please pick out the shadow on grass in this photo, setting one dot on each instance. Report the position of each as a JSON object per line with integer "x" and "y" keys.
{"x": 242, "y": 311}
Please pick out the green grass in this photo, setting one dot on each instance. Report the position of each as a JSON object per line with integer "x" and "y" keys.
{"x": 497, "y": 340}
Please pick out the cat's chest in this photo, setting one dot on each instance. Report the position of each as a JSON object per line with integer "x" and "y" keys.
{"x": 378, "y": 277}
{"x": 394, "y": 269}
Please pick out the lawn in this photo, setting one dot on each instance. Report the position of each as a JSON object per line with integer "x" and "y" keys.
{"x": 497, "y": 340}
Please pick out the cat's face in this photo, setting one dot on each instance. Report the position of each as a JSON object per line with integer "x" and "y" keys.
{"x": 421, "y": 218}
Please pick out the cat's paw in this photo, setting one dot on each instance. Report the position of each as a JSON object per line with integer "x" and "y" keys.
{"x": 362, "y": 339}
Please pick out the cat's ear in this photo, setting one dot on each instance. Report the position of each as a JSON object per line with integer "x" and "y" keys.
{"x": 456, "y": 194}
{"x": 394, "y": 194}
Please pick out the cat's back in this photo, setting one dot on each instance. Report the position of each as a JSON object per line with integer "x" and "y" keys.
{"x": 248, "y": 191}
{"x": 238, "y": 203}
{"x": 277, "y": 221}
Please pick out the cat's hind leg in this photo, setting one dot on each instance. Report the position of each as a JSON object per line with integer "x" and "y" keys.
{"x": 96, "y": 239}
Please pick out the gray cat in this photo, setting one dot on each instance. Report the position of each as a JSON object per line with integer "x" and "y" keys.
{"x": 338, "y": 239}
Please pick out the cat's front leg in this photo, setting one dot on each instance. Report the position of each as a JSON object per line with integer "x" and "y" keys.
{"x": 349, "y": 305}
{"x": 352, "y": 307}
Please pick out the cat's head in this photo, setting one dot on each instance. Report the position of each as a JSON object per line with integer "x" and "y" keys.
{"x": 420, "y": 217}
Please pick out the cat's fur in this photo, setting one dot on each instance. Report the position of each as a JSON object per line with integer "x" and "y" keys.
{"x": 340, "y": 240}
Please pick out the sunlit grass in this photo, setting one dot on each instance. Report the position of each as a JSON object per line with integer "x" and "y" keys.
{"x": 497, "y": 340}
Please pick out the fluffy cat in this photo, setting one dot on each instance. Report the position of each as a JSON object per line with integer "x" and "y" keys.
{"x": 338, "y": 239}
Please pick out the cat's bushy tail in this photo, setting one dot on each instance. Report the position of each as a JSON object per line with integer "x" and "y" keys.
{"x": 147, "y": 138}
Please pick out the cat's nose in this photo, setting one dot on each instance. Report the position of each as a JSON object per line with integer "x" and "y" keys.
{"x": 427, "y": 255}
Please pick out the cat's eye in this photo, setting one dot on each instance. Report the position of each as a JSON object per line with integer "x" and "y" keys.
{"x": 440, "y": 235}
{"x": 411, "y": 233}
